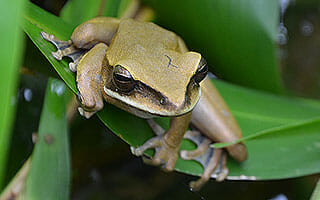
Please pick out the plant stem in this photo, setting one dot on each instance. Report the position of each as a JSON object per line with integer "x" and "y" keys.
{"x": 17, "y": 184}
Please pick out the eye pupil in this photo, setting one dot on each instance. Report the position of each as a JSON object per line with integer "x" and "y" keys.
{"x": 122, "y": 79}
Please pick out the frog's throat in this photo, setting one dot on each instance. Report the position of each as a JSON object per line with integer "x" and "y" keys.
{"x": 143, "y": 108}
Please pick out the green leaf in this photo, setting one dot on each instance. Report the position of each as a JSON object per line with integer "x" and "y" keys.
{"x": 237, "y": 38}
{"x": 285, "y": 153}
{"x": 86, "y": 10}
{"x": 124, "y": 4}
{"x": 288, "y": 150}
{"x": 49, "y": 175}
{"x": 77, "y": 11}
{"x": 10, "y": 56}
{"x": 36, "y": 20}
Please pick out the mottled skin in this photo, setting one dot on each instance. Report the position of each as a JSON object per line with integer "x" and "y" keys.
{"x": 148, "y": 71}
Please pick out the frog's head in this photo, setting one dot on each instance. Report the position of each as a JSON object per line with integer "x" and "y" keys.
{"x": 161, "y": 85}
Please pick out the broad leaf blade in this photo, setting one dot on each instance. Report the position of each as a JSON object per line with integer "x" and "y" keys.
{"x": 237, "y": 38}
{"x": 49, "y": 175}
{"x": 284, "y": 153}
{"x": 255, "y": 111}
{"x": 10, "y": 56}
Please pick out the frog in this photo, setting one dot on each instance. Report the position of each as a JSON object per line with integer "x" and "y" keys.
{"x": 149, "y": 72}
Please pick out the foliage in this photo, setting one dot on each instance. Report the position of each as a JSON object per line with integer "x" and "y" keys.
{"x": 236, "y": 37}
{"x": 11, "y": 38}
{"x": 51, "y": 153}
{"x": 271, "y": 119}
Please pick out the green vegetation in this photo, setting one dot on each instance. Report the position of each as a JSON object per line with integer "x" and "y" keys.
{"x": 238, "y": 38}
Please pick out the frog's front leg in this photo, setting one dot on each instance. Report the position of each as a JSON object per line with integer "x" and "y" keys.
{"x": 89, "y": 79}
{"x": 95, "y": 31}
{"x": 88, "y": 65}
{"x": 166, "y": 145}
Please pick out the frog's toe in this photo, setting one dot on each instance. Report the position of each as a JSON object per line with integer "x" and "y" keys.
{"x": 86, "y": 114}
{"x": 216, "y": 167}
{"x": 73, "y": 65}
{"x": 64, "y": 48}
{"x": 60, "y": 44}
{"x": 171, "y": 163}
{"x": 223, "y": 169}
{"x": 151, "y": 143}
{"x": 200, "y": 150}
{"x": 212, "y": 160}
{"x": 165, "y": 155}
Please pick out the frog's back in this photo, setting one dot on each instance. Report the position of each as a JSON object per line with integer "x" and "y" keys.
{"x": 132, "y": 35}
{"x": 147, "y": 34}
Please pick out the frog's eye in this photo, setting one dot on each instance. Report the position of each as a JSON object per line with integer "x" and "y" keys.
{"x": 123, "y": 79}
{"x": 202, "y": 71}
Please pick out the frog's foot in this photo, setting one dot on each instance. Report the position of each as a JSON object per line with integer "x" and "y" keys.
{"x": 93, "y": 104}
{"x": 90, "y": 102}
{"x": 212, "y": 160}
{"x": 86, "y": 114}
{"x": 158, "y": 130}
{"x": 165, "y": 155}
{"x": 65, "y": 48}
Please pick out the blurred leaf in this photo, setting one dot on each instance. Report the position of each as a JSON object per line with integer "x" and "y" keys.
{"x": 86, "y": 10}
{"x": 77, "y": 11}
{"x": 10, "y": 56}
{"x": 111, "y": 8}
{"x": 237, "y": 38}
{"x": 124, "y": 4}
{"x": 270, "y": 156}
{"x": 50, "y": 164}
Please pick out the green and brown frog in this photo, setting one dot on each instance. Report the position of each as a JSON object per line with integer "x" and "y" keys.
{"x": 149, "y": 72}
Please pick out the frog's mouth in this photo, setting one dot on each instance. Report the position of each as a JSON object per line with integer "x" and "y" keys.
{"x": 147, "y": 103}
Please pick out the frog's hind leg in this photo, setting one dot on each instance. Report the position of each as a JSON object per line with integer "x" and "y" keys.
{"x": 212, "y": 160}
{"x": 65, "y": 49}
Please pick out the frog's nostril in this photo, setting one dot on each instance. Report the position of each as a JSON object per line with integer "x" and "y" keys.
{"x": 163, "y": 101}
